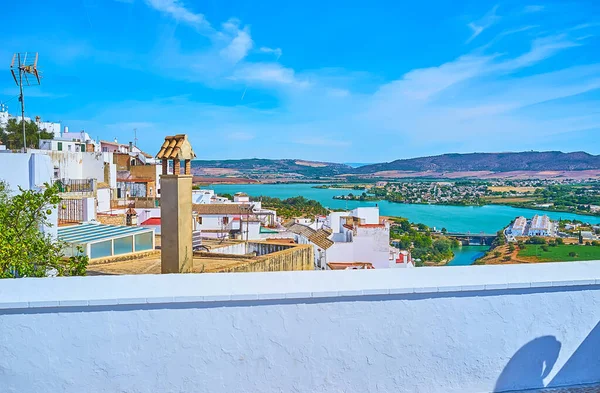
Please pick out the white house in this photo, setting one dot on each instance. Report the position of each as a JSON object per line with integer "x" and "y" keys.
{"x": 351, "y": 237}
{"x": 226, "y": 220}
{"x": 267, "y": 217}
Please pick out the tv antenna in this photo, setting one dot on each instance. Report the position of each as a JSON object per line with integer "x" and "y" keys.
{"x": 25, "y": 65}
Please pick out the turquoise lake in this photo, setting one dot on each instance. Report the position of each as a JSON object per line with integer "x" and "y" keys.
{"x": 488, "y": 219}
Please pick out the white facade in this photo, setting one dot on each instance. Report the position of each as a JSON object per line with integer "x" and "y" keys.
{"x": 62, "y": 144}
{"x": 203, "y": 197}
{"x": 29, "y": 171}
{"x": 48, "y": 126}
{"x": 518, "y": 226}
{"x": 540, "y": 226}
{"x": 76, "y": 165}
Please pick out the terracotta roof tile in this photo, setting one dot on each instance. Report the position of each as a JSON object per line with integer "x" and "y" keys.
{"x": 176, "y": 147}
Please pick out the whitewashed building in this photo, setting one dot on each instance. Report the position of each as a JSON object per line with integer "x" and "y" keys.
{"x": 228, "y": 220}
{"x": 347, "y": 238}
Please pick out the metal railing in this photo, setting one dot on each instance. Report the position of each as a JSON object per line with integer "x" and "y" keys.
{"x": 76, "y": 185}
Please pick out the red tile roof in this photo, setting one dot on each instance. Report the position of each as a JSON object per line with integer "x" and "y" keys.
{"x": 152, "y": 221}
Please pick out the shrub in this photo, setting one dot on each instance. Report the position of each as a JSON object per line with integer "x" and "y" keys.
{"x": 573, "y": 254}
{"x": 497, "y": 254}
{"x": 507, "y": 258}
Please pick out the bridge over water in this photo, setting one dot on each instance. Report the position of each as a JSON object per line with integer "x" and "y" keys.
{"x": 473, "y": 238}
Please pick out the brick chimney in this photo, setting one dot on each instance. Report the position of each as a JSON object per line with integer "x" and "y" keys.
{"x": 176, "y": 205}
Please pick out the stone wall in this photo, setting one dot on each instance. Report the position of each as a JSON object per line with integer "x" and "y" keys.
{"x": 116, "y": 219}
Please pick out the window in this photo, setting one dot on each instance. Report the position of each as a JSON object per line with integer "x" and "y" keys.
{"x": 225, "y": 220}
{"x": 69, "y": 147}
{"x": 82, "y": 147}
{"x": 56, "y": 173}
{"x": 105, "y": 149}
{"x": 59, "y": 146}
{"x": 199, "y": 220}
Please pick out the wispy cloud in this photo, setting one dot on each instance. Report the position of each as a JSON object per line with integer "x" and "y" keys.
{"x": 268, "y": 73}
{"x": 275, "y": 51}
{"x": 178, "y": 11}
{"x": 240, "y": 45}
{"x": 483, "y": 23}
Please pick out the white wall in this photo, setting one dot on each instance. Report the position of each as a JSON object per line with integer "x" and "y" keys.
{"x": 30, "y": 172}
{"x": 370, "y": 215}
{"x": 372, "y": 245}
{"x": 103, "y": 196}
{"x": 334, "y": 220}
{"x": 215, "y": 222}
{"x": 26, "y": 170}
{"x": 449, "y": 329}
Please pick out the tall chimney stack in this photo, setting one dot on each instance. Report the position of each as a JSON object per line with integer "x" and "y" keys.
{"x": 176, "y": 206}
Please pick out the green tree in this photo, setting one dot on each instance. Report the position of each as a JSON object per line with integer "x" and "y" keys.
{"x": 442, "y": 245}
{"x": 12, "y": 136}
{"x": 25, "y": 251}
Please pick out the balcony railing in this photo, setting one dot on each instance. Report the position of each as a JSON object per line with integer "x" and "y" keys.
{"x": 76, "y": 185}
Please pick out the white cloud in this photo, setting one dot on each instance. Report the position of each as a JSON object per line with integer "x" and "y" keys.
{"x": 239, "y": 46}
{"x": 268, "y": 73}
{"x": 275, "y": 51}
{"x": 483, "y": 23}
{"x": 177, "y": 10}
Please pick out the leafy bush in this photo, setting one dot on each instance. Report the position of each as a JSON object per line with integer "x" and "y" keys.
{"x": 25, "y": 251}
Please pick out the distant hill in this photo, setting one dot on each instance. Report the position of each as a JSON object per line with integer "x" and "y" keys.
{"x": 257, "y": 166}
{"x": 494, "y": 162}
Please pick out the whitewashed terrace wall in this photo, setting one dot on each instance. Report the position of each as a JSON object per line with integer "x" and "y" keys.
{"x": 453, "y": 329}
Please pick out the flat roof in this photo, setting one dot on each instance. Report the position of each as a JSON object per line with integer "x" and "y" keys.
{"x": 88, "y": 233}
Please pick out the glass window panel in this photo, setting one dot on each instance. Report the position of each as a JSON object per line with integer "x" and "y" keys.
{"x": 123, "y": 245}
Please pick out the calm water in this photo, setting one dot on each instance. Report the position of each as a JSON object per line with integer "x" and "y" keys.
{"x": 466, "y": 255}
{"x": 488, "y": 219}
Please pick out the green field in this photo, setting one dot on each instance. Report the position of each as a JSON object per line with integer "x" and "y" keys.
{"x": 561, "y": 253}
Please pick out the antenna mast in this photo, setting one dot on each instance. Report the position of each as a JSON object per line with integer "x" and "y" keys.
{"x": 20, "y": 65}
{"x": 135, "y": 137}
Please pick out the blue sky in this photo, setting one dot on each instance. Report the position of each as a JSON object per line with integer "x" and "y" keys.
{"x": 345, "y": 81}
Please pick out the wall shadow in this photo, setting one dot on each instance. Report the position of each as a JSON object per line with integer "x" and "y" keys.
{"x": 583, "y": 367}
{"x": 528, "y": 367}
{"x": 533, "y": 362}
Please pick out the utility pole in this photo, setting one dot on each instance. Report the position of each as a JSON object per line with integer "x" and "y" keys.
{"x": 135, "y": 137}
{"x": 24, "y": 68}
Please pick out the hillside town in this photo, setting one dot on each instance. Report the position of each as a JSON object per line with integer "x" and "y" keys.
{"x": 114, "y": 204}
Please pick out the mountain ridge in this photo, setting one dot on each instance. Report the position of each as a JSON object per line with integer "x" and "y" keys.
{"x": 532, "y": 161}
